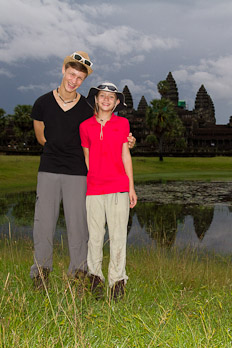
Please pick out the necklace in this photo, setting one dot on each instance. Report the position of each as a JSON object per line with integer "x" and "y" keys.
{"x": 65, "y": 102}
{"x": 103, "y": 119}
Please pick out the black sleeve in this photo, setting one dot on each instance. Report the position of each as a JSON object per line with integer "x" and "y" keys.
{"x": 36, "y": 112}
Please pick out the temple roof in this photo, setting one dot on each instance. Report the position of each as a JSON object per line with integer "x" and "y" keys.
{"x": 142, "y": 105}
{"x": 204, "y": 102}
{"x": 128, "y": 97}
{"x": 172, "y": 93}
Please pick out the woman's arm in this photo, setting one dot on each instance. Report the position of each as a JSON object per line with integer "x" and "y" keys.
{"x": 127, "y": 161}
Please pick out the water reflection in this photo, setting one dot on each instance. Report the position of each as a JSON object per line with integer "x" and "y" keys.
{"x": 166, "y": 225}
{"x": 161, "y": 222}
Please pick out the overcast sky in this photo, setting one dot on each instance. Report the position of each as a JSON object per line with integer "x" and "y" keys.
{"x": 130, "y": 42}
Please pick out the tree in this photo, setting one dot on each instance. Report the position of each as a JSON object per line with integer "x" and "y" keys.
{"x": 22, "y": 125}
{"x": 2, "y": 126}
{"x": 163, "y": 88}
{"x": 163, "y": 121}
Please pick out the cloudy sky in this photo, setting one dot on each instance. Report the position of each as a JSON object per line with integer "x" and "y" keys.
{"x": 131, "y": 42}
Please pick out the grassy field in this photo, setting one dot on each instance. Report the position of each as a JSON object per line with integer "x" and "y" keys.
{"x": 19, "y": 173}
{"x": 173, "y": 168}
{"x": 173, "y": 299}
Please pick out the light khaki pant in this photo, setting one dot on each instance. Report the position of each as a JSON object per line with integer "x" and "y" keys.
{"x": 113, "y": 209}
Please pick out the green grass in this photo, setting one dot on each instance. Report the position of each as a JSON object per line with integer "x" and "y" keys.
{"x": 173, "y": 299}
{"x": 175, "y": 168}
{"x": 19, "y": 173}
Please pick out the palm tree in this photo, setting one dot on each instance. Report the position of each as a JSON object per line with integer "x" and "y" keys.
{"x": 23, "y": 125}
{"x": 163, "y": 121}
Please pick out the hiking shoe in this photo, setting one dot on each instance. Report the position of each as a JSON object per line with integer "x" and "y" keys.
{"x": 118, "y": 290}
{"x": 41, "y": 280}
{"x": 96, "y": 286}
{"x": 81, "y": 282}
{"x": 81, "y": 275}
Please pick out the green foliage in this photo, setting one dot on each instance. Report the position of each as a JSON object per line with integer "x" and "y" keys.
{"x": 152, "y": 139}
{"x": 17, "y": 129}
{"x": 3, "y": 130}
{"x": 173, "y": 299}
{"x": 180, "y": 143}
{"x": 163, "y": 87}
{"x": 164, "y": 123}
{"x": 163, "y": 119}
{"x": 22, "y": 125}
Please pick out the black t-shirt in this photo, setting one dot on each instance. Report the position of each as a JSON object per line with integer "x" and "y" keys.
{"x": 62, "y": 153}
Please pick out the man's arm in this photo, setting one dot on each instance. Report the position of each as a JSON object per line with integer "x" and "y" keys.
{"x": 131, "y": 141}
{"x": 127, "y": 161}
{"x": 86, "y": 154}
{"x": 39, "y": 132}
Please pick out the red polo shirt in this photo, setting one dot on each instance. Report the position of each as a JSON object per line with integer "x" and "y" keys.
{"x": 106, "y": 170}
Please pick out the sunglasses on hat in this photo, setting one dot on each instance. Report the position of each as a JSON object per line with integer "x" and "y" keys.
{"x": 108, "y": 88}
{"x": 78, "y": 57}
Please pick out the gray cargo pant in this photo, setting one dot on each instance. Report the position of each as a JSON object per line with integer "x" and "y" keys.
{"x": 51, "y": 189}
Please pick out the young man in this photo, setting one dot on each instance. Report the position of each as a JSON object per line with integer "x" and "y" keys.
{"x": 110, "y": 186}
{"x": 62, "y": 171}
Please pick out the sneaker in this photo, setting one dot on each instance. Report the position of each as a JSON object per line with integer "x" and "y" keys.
{"x": 97, "y": 286}
{"x": 118, "y": 290}
{"x": 41, "y": 280}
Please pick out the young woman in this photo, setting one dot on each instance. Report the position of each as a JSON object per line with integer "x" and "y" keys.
{"x": 110, "y": 186}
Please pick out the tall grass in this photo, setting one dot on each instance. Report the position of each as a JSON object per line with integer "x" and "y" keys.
{"x": 173, "y": 299}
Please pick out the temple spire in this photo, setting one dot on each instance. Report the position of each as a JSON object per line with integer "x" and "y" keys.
{"x": 142, "y": 107}
{"x": 204, "y": 105}
{"x": 128, "y": 97}
{"x": 172, "y": 92}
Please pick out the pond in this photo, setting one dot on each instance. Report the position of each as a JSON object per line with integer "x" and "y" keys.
{"x": 206, "y": 227}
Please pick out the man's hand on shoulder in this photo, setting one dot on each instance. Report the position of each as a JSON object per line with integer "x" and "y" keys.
{"x": 131, "y": 141}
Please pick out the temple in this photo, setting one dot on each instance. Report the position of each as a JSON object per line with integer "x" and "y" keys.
{"x": 203, "y": 136}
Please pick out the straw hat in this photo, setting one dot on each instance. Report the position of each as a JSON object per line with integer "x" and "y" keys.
{"x": 80, "y": 57}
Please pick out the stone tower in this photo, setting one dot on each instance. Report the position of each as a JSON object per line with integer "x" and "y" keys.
{"x": 128, "y": 97}
{"x": 142, "y": 106}
{"x": 128, "y": 111}
{"x": 140, "y": 120}
{"x": 204, "y": 107}
{"x": 172, "y": 92}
